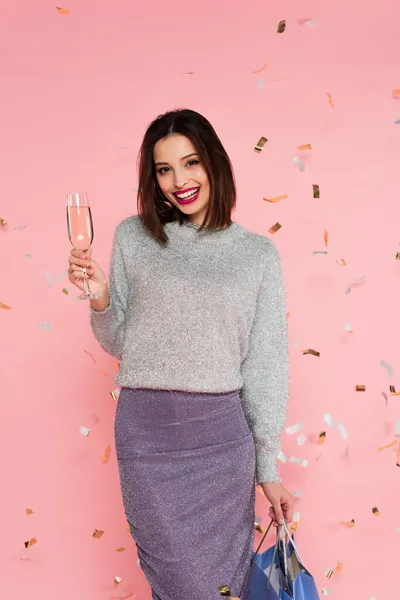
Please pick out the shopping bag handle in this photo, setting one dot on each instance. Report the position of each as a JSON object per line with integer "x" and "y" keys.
{"x": 263, "y": 538}
{"x": 278, "y": 532}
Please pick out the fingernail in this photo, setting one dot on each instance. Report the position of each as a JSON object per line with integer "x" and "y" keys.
{"x": 281, "y": 521}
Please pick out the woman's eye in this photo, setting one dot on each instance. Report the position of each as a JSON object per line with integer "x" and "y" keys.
{"x": 194, "y": 161}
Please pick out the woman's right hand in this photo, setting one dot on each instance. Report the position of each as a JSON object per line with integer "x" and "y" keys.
{"x": 78, "y": 261}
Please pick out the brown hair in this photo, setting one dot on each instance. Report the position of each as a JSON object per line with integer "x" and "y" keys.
{"x": 154, "y": 209}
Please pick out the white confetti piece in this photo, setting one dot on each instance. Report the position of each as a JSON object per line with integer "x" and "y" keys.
{"x": 45, "y": 326}
{"x": 397, "y": 428}
{"x": 84, "y": 431}
{"x": 260, "y": 83}
{"x": 301, "y": 440}
{"x": 326, "y": 591}
{"x": 348, "y": 327}
{"x": 282, "y": 456}
{"x": 299, "y": 163}
{"x": 296, "y": 343}
{"x": 294, "y": 428}
{"x": 388, "y": 367}
{"x": 371, "y": 597}
{"x": 48, "y": 279}
{"x": 342, "y": 430}
{"x": 296, "y": 517}
{"x": 328, "y": 419}
{"x": 299, "y": 461}
{"x": 59, "y": 277}
{"x": 297, "y": 493}
{"x": 320, "y": 252}
{"x": 20, "y": 227}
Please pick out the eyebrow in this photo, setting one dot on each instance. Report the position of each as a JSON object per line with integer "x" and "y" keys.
{"x": 183, "y": 158}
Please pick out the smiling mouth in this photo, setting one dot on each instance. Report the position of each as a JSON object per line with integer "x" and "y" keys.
{"x": 186, "y": 195}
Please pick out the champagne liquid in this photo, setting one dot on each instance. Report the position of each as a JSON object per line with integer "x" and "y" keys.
{"x": 80, "y": 227}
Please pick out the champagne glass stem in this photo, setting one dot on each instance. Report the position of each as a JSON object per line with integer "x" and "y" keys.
{"x": 86, "y": 288}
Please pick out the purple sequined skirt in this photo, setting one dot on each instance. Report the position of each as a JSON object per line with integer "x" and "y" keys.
{"x": 187, "y": 472}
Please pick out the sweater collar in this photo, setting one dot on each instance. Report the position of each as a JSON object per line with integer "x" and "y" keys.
{"x": 188, "y": 233}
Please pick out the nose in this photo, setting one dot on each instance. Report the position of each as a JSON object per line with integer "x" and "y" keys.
{"x": 180, "y": 179}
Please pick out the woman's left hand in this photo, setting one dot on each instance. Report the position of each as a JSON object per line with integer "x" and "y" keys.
{"x": 282, "y": 502}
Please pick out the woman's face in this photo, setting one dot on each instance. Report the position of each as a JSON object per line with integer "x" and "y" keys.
{"x": 181, "y": 176}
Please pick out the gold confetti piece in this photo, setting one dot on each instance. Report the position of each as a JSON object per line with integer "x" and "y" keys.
{"x": 117, "y": 580}
{"x": 304, "y": 147}
{"x": 396, "y": 94}
{"x": 3, "y": 223}
{"x": 360, "y": 388}
{"x": 260, "y": 144}
{"x": 330, "y": 99}
{"x": 311, "y": 351}
{"x": 84, "y": 431}
{"x": 115, "y": 394}
{"x": 97, "y": 534}
{"x": 321, "y": 437}
{"x": 259, "y": 527}
{"x": 63, "y": 11}
{"x": 376, "y": 511}
{"x": 294, "y": 526}
{"x": 125, "y": 597}
{"x": 5, "y": 306}
{"x": 30, "y": 542}
{"x": 128, "y": 528}
{"x": 315, "y": 188}
{"x": 338, "y": 567}
{"x": 65, "y": 291}
{"x": 329, "y": 573}
{"x": 281, "y": 26}
{"x": 349, "y": 523}
{"x": 29, "y": 511}
{"x": 390, "y": 445}
{"x": 393, "y": 391}
{"x": 122, "y": 549}
{"x": 341, "y": 263}
{"x": 262, "y": 69}
{"x": 275, "y": 228}
{"x": 106, "y": 454}
{"x": 299, "y": 163}
{"x": 397, "y": 256}
{"x": 103, "y": 372}
{"x": 91, "y": 355}
{"x": 276, "y": 198}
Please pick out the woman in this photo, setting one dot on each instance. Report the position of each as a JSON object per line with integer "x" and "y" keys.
{"x": 195, "y": 312}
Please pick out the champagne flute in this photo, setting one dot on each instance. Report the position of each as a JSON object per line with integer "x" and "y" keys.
{"x": 80, "y": 231}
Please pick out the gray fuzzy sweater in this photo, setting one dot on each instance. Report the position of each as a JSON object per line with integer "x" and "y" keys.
{"x": 206, "y": 313}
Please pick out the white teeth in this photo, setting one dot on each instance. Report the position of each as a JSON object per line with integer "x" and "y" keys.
{"x": 187, "y": 195}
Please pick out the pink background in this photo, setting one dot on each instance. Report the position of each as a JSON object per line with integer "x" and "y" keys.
{"x": 77, "y": 92}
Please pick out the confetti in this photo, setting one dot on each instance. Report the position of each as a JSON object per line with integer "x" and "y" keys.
{"x": 311, "y": 351}
{"x": 3, "y": 222}
{"x": 357, "y": 282}
{"x": 315, "y": 191}
{"x": 30, "y": 542}
{"x": 386, "y": 398}
{"x": 301, "y": 440}
{"x": 348, "y": 328}
{"x": 91, "y": 355}
{"x": 307, "y": 22}
{"x": 304, "y": 147}
{"x": 282, "y": 456}
{"x": 342, "y": 431}
{"x": 360, "y": 388}
{"x": 320, "y": 252}
{"x": 117, "y": 580}
{"x": 48, "y": 279}
{"x": 397, "y": 257}
{"x": 393, "y": 391}
{"x": 396, "y": 94}
{"x": 262, "y": 69}
{"x": 97, "y": 534}
{"x": 397, "y": 427}
{"x": 5, "y": 306}
{"x": 298, "y": 461}
{"x": 297, "y": 493}
{"x": 225, "y": 591}
{"x": 59, "y": 277}
{"x": 103, "y": 372}
{"x": 330, "y": 99}
{"x": 260, "y": 83}
{"x": 115, "y": 394}
{"x": 274, "y": 228}
{"x": 65, "y": 291}
{"x": 276, "y": 198}
{"x": 63, "y": 11}
{"x": 20, "y": 227}
{"x": 260, "y": 144}
{"x": 45, "y": 326}
{"x": 321, "y": 437}
{"x": 294, "y": 428}
{"x": 106, "y": 454}
{"x": 349, "y": 523}
{"x": 388, "y": 367}
{"x": 376, "y": 511}
{"x": 328, "y": 419}
{"x": 281, "y": 26}
{"x": 397, "y": 122}
{"x": 29, "y": 511}
{"x": 326, "y": 591}
{"x": 84, "y": 431}
{"x": 341, "y": 263}
{"x": 122, "y": 549}
{"x": 299, "y": 163}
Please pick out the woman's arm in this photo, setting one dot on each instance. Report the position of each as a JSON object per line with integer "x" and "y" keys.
{"x": 265, "y": 369}
{"x": 107, "y": 315}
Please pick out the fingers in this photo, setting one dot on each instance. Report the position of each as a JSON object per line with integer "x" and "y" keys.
{"x": 80, "y": 254}
{"x": 77, "y": 272}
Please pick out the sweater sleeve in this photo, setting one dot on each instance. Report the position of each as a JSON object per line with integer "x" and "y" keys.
{"x": 108, "y": 325}
{"x": 265, "y": 370}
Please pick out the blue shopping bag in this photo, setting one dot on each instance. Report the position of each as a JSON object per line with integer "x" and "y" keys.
{"x": 279, "y": 572}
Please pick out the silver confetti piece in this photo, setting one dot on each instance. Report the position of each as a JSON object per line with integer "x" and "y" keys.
{"x": 297, "y": 493}
{"x": 48, "y": 279}
{"x": 299, "y": 163}
{"x": 342, "y": 430}
{"x": 84, "y": 431}
{"x": 45, "y": 326}
{"x": 59, "y": 277}
{"x": 260, "y": 83}
{"x": 20, "y": 227}
{"x": 294, "y": 428}
{"x": 397, "y": 122}
{"x": 397, "y": 428}
{"x": 388, "y": 367}
{"x": 328, "y": 419}
{"x": 296, "y": 517}
{"x": 298, "y": 461}
{"x": 320, "y": 252}
{"x": 282, "y": 456}
{"x": 301, "y": 440}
